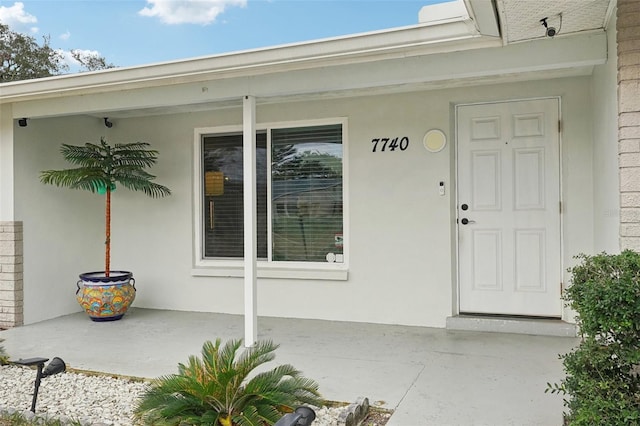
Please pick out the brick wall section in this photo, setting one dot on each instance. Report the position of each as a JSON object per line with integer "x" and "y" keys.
{"x": 628, "y": 29}
{"x": 11, "y": 290}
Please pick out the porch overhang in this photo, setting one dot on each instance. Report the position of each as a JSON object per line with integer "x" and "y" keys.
{"x": 394, "y": 61}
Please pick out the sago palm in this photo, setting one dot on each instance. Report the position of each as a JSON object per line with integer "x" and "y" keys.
{"x": 216, "y": 389}
{"x": 101, "y": 167}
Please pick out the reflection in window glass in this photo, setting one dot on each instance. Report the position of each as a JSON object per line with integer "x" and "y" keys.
{"x": 306, "y": 195}
{"x": 306, "y": 201}
{"x": 223, "y": 196}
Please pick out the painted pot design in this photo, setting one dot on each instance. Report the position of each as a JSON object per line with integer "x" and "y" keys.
{"x": 106, "y": 298}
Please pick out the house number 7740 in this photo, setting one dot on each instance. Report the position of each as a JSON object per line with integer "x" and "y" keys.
{"x": 389, "y": 144}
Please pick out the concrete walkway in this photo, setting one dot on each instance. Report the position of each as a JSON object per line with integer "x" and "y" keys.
{"x": 428, "y": 376}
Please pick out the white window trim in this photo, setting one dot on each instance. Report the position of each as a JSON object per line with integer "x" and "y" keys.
{"x": 267, "y": 269}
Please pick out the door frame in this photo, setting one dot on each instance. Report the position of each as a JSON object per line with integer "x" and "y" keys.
{"x": 455, "y": 209}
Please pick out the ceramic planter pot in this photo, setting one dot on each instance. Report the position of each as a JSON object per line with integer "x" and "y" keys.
{"x": 106, "y": 298}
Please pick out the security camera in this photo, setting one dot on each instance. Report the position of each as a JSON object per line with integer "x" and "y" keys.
{"x": 548, "y": 31}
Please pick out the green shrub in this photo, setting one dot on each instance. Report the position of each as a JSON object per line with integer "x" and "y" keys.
{"x": 603, "y": 373}
{"x": 4, "y": 358}
{"x": 216, "y": 389}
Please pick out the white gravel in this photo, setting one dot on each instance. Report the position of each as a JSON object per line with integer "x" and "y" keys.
{"x": 88, "y": 399}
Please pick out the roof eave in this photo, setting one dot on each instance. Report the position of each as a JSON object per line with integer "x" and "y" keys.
{"x": 422, "y": 39}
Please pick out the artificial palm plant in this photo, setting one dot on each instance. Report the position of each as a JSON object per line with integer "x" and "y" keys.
{"x": 101, "y": 166}
{"x": 216, "y": 389}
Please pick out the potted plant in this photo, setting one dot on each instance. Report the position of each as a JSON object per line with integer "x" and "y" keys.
{"x": 106, "y": 295}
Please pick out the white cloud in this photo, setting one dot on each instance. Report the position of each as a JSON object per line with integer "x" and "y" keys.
{"x": 65, "y": 36}
{"x": 71, "y": 62}
{"x": 15, "y": 15}
{"x": 68, "y": 59}
{"x": 188, "y": 11}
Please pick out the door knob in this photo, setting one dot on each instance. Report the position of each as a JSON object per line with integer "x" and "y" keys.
{"x": 466, "y": 221}
{"x": 464, "y": 207}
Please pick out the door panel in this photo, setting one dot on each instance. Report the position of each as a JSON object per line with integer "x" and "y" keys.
{"x": 508, "y": 214}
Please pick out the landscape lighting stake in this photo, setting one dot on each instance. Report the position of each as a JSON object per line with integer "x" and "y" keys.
{"x": 55, "y": 366}
{"x": 303, "y": 416}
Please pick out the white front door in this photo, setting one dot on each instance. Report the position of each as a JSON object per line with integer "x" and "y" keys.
{"x": 509, "y": 208}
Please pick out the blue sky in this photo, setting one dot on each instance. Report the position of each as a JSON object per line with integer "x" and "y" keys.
{"x": 135, "y": 32}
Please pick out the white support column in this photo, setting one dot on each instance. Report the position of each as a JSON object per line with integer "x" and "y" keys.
{"x": 250, "y": 222}
{"x": 11, "y": 245}
{"x": 6, "y": 164}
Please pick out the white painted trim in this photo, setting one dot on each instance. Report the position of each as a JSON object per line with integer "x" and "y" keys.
{"x": 7, "y": 175}
{"x": 265, "y": 268}
{"x": 321, "y": 79}
{"x": 250, "y": 225}
{"x": 198, "y": 219}
{"x": 456, "y": 291}
{"x": 385, "y": 44}
{"x": 611, "y": 10}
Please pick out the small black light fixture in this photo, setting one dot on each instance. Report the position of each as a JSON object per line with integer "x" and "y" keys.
{"x": 303, "y": 416}
{"x": 54, "y": 367}
{"x": 22, "y": 122}
{"x": 550, "y": 31}
{"x": 107, "y": 122}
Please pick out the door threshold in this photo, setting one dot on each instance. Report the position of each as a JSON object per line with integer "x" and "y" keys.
{"x": 538, "y": 326}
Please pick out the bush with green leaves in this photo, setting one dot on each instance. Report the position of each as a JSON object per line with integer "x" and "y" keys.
{"x": 603, "y": 373}
{"x": 222, "y": 388}
{"x": 4, "y": 358}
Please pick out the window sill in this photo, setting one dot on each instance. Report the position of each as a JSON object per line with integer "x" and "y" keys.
{"x": 271, "y": 271}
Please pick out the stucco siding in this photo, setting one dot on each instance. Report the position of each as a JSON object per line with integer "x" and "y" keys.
{"x": 401, "y": 231}
{"x": 605, "y": 150}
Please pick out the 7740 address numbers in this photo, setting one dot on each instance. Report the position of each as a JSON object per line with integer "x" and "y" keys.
{"x": 389, "y": 144}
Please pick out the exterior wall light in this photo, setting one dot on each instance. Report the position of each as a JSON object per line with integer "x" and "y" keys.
{"x": 22, "y": 122}
{"x": 549, "y": 30}
{"x": 55, "y": 366}
{"x": 107, "y": 122}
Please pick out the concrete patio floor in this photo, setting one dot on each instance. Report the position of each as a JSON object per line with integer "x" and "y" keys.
{"x": 428, "y": 376}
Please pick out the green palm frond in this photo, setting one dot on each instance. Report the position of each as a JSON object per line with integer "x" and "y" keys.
{"x": 84, "y": 178}
{"x": 215, "y": 389}
{"x": 103, "y": 165}
{"x": 89, "y": 155}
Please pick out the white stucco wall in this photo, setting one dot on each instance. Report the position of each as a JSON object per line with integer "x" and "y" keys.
{"x": 401, "y": 231}
{"x": 605, "y": 150}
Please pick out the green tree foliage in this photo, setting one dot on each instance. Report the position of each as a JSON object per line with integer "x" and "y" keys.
{"x": 288, "y": 163}
{"x": 216, "y": 389}
{"x": 23, "y": 58}
{"x": 4, "y": 358}
{"x": 603, "y": 372}
{"x": 90, "y": 61}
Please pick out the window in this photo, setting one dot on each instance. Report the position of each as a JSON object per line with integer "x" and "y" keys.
{"x": 223, "y": 187}
{"x": 299, "y": 176}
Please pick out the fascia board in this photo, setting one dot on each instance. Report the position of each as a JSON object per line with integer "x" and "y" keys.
{"x": 413, "y": 40}
{"x": 536, "y": 59}
{"x": 484, "y": 14}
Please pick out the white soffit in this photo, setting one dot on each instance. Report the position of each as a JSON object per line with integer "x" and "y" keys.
{"x": 520, "y": 19}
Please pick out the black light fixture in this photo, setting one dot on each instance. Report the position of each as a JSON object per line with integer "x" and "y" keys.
{"x": 55, "y": 366}
{"x": 303, "y": 416}
{"x": 22, "y": 122}
{"x": 107, "y": 122}
{"x": 550, "y": 31}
